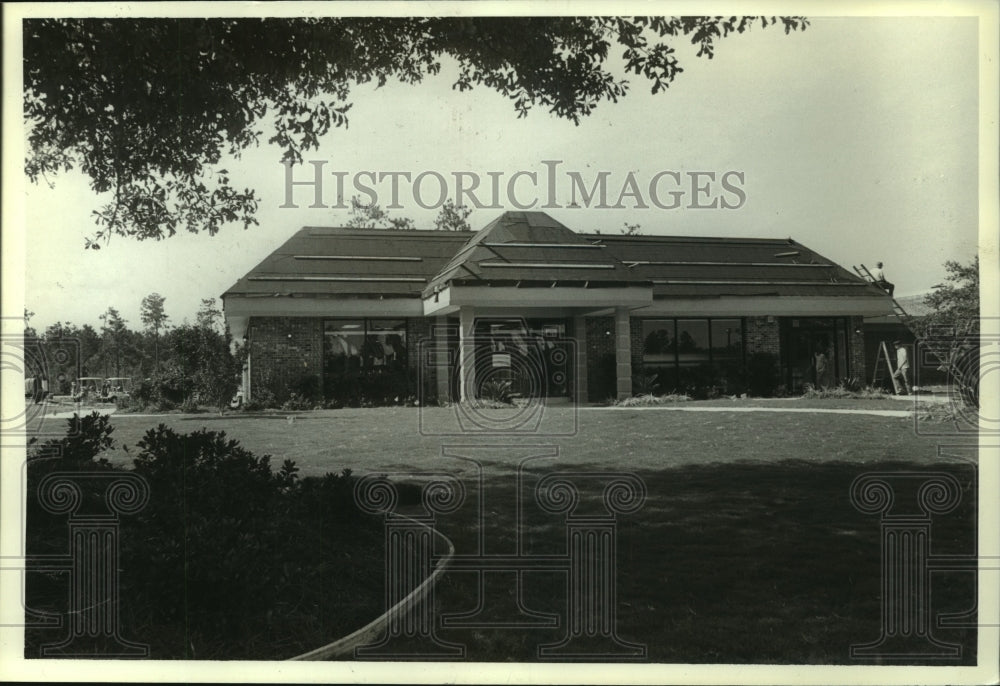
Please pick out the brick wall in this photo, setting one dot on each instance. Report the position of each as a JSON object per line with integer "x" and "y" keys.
{"x": 285, "y": 352}
{"x": 762, "y": 336}
{"x": 418, "y": 342}
{"x": 857, "y": 348}
{"x": 637, "y": 343}
{"x": 600, "y": 358}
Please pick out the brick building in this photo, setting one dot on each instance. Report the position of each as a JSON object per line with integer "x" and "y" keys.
{"x": 347, "y": 312}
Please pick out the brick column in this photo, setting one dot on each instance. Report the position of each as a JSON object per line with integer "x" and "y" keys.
{"x": 442, "y": 362}
{"x": 466, "y": 353}
{"x": 580, "y": 363}
{"x": 857, "y": 362}
{"x": 623, "y": 353}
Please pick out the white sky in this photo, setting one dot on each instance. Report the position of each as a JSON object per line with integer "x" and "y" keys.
{"x": 858, "y": 138}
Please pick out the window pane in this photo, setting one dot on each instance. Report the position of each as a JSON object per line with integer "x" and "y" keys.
{"x": 658, "y": 341}
{"x": 342, "y": 343}
{"x": 385, "y": 344}
{"x": 692, "y": 341}
{"x": 727, "y": 339}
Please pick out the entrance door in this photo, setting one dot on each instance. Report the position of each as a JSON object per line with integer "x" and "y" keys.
{"x": 813, "y": 351}
{"x": 532, "y": 355}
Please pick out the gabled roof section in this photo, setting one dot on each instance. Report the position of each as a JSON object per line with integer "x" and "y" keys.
{"x": 320, "y": 261}
{"x": 685, "y": 267}
{"x": 531, "y": 248}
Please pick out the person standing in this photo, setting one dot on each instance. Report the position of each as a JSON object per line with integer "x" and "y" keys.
{"x": 36, "y": 388}
{"x": 902, "y": 366}
{"x": 880, "y": 280}
{"x": 822, "y": 364}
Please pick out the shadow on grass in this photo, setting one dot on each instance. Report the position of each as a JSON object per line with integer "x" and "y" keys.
{"x": 739, "y": 563}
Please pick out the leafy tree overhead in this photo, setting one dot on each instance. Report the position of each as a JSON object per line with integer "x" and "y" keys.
{"x": 146, "y": 108}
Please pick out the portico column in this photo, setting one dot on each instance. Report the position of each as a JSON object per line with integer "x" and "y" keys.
{"x": 623, "y": 353}
{"x": 580, "y": 364}
{"x": 466, "y": 353}
{"x": 442, "y": 363}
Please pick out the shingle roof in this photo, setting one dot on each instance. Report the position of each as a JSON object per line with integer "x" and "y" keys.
{"x": 341, "y": 262}
{"x": 529, "y": 248}
{"x": 708, "y": 266}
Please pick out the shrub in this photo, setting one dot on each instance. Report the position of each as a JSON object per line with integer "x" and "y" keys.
{"x": 228, "y": 559}
{"x": 650, "y": 400}
{"x": 144, "y": 392}
{"x": 296, "y": 402}
{"x": 644, "y": 384}
{"x": 306, "y": 387}
{"x": 172, "y": 385}
{"x": 206, "y": 535}
{"x": 498, "y": 391}
{"x": 263, "y": 399}
{"x": 763, "y": 375}
{"x": 844, "y": 390}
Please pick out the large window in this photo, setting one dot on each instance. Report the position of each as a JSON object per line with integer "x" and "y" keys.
{"x": 687, "y": 353}
{"x": 360, "y": 350}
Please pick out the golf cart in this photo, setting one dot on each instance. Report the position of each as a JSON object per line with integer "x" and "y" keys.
{"x": 117, "y": 387}
{"x": 88, "y": 388}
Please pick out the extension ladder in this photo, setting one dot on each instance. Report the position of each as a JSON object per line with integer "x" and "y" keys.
{"x": 883, "y": 356}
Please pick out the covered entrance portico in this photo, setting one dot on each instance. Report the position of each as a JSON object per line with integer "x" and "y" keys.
{"x": 535, "y": 338}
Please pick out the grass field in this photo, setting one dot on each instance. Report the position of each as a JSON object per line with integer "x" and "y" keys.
{"x": 747, "y": 548}
{"x": 389, "y": 439}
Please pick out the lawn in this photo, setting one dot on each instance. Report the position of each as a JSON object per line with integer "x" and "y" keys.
{"x": 389, "y": 439}
{"x": 747, "y": 548}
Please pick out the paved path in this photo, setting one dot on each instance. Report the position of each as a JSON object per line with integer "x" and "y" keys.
{"x": 650, "y": 408}
{"x": 806, "y": 410}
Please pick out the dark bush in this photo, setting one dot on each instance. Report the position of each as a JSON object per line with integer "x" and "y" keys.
{"x": 371, "y": 388}
{"x": 762, "y": 374}
{"x": 228, "y": 559}
{"x": 497, "y": 391}
{"x": 305, "y": 387}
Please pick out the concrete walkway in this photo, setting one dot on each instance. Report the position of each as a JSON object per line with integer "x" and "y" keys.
{"x": 804, "y": 410}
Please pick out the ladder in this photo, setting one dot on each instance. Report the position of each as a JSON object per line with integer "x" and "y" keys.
{"x": 939, "y": 351}
{"x": 880, "y": 358}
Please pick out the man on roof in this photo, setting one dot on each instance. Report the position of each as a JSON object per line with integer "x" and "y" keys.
{"x": 880, "y": 280}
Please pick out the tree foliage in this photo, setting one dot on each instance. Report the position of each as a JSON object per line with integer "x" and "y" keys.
{"x": 155, "y": 318}
{"x": 152, "y": 313}
{"x": 146, "y": 108}
{"x": 951, "y": 328}
{"x": 372, "y": 216}
{"x": 453, "y": 217}
{"x": 209, "y": 316}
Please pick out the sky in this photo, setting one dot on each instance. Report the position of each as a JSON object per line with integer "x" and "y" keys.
{"x": 857, "y": 138}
